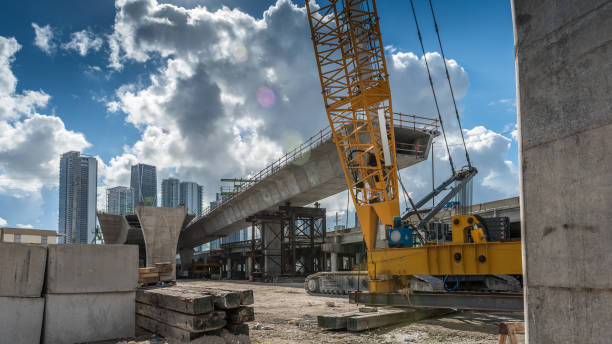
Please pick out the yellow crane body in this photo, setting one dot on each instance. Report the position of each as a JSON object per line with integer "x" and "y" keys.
{"x": 355, "y": 87}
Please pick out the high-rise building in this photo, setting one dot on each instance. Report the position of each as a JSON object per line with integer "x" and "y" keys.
{"x": 120, "y": 200}
{"x": 191, "y": 197}
{"x": 144, "y": 183}
{"x": 77, "y": 198}
{"x": 170, "y": 193}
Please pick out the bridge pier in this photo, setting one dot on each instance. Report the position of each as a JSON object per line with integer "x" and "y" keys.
{"x": 186, "y": 256}
{"x": 271, "y": 238}
{"x": 161, "y": 228}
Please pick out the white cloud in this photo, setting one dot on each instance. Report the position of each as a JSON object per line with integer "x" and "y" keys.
{"x": 43, "y": 38}
{"x": 20, "y": 225}
{"x": 83, "y": 41}
{"x": 2, "y": 222}
{"x": 200, "y": 115}
{"x": 31, "y": 142}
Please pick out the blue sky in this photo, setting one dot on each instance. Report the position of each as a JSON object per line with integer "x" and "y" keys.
{"x": 87, "y": 94}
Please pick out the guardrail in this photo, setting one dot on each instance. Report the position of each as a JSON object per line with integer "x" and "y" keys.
{"x": 399, "y": 120}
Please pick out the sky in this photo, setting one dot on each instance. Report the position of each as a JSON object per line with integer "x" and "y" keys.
{"x": 176, "y": 84}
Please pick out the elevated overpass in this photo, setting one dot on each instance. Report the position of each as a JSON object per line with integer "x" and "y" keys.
{"x": 309, "y": 173}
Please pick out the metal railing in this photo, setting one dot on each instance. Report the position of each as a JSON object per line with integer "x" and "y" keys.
{"x": 399, "y": 120}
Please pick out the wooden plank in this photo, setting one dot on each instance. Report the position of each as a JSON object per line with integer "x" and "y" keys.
{"x": 240, "y": 315}
{"x": 147, "y": 270}
{"x": 165, "y": 330}
{"x": 190, "y": 322}
{"x": 246, "y": 295}
{"x": 223, "y": 299}
{"x": 148, "y": 275}
{"x": 183, "y": 301}
{"x": 163, "y": 267}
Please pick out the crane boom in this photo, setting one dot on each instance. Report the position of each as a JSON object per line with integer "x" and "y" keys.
{"x": 355, "y": 86}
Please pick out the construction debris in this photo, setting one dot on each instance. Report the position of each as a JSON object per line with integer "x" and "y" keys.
{"x": 188, "y": 313}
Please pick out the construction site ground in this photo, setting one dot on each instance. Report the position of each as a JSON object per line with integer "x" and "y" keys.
{"x": 285, "y": 313}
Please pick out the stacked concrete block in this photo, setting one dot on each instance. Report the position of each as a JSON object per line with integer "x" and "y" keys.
{"x": 185, "y": 314}
{"x": 90, "y": 293}
{"x": 22, "y": 271}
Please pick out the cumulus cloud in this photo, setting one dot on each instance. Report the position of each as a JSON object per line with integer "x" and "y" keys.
{"x": 83, "y": 41}
{"x": 21, "y": 225}
{"x": 2, "y": 222}
{"x": 43, "y": 38}
{"x": 229, "y": 88}
{"x": 31, "y": 142}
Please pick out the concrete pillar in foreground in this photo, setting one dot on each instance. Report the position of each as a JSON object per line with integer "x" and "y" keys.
{"x": 334, "y": 261}
{"x": 564, "y": 97}
{"x": 186, "y": 255}
{"x": 272, "y": 248}
{"x": 161, "y": 228}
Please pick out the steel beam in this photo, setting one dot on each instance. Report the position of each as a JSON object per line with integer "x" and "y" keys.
{"x": 506, "y": 302}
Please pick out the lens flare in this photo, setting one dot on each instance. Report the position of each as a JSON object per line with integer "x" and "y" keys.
{"x": 266, "y": 97}
{"x": 240, "y": 53}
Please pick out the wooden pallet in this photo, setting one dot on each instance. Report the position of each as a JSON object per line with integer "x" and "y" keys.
{"x": 509, "y": 330}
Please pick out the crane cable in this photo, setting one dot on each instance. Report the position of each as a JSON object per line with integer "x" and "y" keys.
{"x": 467, "y": 155}
{"x": 433, "y": 91}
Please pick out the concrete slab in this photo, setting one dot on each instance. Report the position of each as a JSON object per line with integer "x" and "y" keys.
{"x": 22, "y": 269}
{"x": 92, "y": 268}
{"x": 21, "y": 319}
{"x": 161, "y": 228}
{"x": 77, "y": 318}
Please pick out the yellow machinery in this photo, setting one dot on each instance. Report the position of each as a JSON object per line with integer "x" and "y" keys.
{"x": 357, "y": 97}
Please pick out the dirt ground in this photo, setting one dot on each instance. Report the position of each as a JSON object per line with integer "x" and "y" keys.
{"x": 289, "y": 315}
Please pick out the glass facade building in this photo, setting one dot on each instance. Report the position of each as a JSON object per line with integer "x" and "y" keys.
{"x": 77, "y": 198}
{"x": 144, "y": 183}
{"x": 119, "y": 200}
{"x": 170, "y": 193}
{"x": 191, "y": 196}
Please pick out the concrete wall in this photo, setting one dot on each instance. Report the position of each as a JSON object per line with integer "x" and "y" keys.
{"x": 564, "y": 81}
{"x": 21, "y": 319}
{"x": 22, "y": 269}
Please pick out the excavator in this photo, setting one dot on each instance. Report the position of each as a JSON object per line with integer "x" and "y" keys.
{"x": 352, "y": 69}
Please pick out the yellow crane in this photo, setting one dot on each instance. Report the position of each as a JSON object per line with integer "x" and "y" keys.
{"x": 356, "y": 92}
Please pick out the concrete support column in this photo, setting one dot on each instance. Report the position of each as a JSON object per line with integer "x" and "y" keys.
{"x": 161, "y": 228}
{"x": 228, "y": 266}
{"x": 334, "y": 261}
{"x": 249, "y": 266}
{"x": 186, "y": 255}
{"x": 564, "y": 87}
{"x": 114, "y": 228}
{"x": 272, "y": 245}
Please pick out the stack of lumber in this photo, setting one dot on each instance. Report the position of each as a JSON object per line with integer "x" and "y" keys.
{"x": 188, "y": 313}
{"x": 148, "y": 276}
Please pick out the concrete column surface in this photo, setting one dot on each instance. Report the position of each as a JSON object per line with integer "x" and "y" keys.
{"x": 186, "y": 255}
{"x": 229, "y": 268}
{"x": 249, "y": 266}
{"x": 272, "y": 244}
{"x": 161, "y": 228}
{"x": 334, "y": 261}
{"x": 22, "y": 269}
{"x": 564, "y": 100}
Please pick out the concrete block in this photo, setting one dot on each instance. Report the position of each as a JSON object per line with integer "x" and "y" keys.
{"x": 76, "y": 318}
{"x": 92, "y": 268}
{"x": 190, "y": 322}
{"x": 177, "y": 335}
{"x": 22, "y": 269}
{"x": 21, "y": 319}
